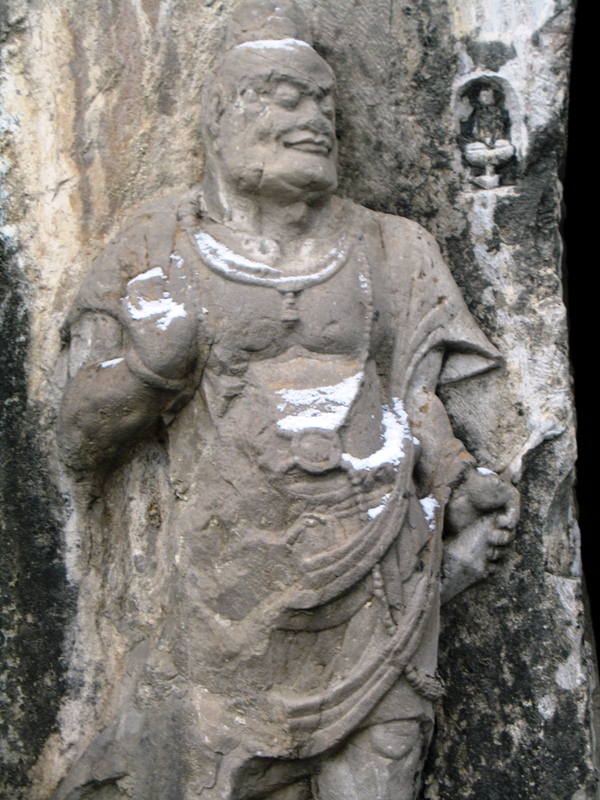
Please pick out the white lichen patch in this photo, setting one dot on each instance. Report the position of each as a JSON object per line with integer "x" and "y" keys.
{"x": 373, "y": 513}
{"x": 110, "y": 363}
{"x": 486, "y": 471}
{"x": 395, "y": 430}
{"x": 273, "y": 44}
{"x": 324, "y": 407}
{"x": 166, "y": 309}
{"x": 155, "y": 272}
{"x": 429, "y": 505}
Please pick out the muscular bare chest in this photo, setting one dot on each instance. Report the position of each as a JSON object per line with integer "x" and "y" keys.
{"x": 345, "y": 315}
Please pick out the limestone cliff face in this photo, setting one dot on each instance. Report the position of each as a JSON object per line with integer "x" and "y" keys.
{"x": 101, "y": 108}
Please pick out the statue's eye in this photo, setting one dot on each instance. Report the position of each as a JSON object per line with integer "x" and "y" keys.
{"x": 287, "y": 96}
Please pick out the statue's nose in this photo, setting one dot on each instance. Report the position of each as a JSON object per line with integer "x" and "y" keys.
{"x": 314, "y": 118}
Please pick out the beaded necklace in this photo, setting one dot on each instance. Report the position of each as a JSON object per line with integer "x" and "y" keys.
{"x": 233, "y": 267}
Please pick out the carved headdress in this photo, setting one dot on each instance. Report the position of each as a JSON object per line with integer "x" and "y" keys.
{"x": 267, "y": 20}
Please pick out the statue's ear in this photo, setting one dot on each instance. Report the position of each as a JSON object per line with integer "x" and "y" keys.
{"x": 215, "y": 107}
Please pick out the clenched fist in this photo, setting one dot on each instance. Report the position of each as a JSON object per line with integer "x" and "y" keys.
{"x": 481, "y": 518}
{"x": 159, "y": 313}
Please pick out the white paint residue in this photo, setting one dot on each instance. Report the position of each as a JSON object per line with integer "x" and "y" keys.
{"x": 155, "y": 272}
{"x": 224, "y": 257}
{"x": 177, "y": 259}
{"x": 324, "y": 407}
{"x": 112, "y": 363}
{"x": 364, "y": 284}
{"x": 273, "y": 44}
{"x": 486, "y": 471}
{"x": 395, "y": 430}
{"x": 372, "y": 513}
{"x": 167, "y": 308}
{"x": 375, "y": 512}
{"x": 429, "y": 505}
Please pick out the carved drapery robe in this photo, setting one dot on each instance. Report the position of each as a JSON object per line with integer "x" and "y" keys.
{"x": 299, "y": 539}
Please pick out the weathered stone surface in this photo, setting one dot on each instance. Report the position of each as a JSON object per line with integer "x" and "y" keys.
{"x": 102, "y": 113}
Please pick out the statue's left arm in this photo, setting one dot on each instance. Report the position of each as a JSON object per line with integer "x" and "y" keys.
{"x": 440, "y": 342}
{"x": 481, "y": 507}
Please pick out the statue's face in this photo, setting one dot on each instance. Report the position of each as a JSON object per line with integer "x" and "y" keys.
{"x": 486, "y": 97}
{"x": 276, "y": 133}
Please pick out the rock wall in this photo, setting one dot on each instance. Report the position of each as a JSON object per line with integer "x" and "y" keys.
{"x": 100, "y": 113}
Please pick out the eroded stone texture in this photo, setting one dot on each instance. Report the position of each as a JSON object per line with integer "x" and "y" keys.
{"x": 103, "y": 113}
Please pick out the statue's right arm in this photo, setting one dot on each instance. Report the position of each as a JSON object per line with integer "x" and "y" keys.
{"x": 110, "y": 401}
{"x": 133, "y": 341}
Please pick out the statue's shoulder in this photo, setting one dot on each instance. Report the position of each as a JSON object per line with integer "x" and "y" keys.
{"x": 399, "y": 235}
{"x": 157, "y": 216}
{"x": 408, "y": 246}
{"x": 404, "y": 235}
{"x": 424, "y": 293}
{"x": 146, "y": 237}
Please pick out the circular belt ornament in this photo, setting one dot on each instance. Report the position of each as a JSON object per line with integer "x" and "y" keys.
{"x": 315, "y": 450}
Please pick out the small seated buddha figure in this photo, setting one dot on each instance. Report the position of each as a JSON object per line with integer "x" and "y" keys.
{"x": 488, "y": 145}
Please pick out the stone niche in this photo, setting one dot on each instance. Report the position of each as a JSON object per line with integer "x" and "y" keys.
{"x": 449, "y": 112}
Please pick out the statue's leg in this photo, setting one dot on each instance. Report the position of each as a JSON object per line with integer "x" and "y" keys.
{"x": 381, "y": 762}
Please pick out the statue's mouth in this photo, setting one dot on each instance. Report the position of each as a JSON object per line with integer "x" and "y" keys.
{"x": 310, "y": 144}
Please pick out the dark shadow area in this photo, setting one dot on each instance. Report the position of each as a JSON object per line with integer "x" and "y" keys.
{"x": 35, "y": 600}
{"x": 581, "y": 288}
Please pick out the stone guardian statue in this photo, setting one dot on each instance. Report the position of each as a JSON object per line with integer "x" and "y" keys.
{"x": 260, "y": 359}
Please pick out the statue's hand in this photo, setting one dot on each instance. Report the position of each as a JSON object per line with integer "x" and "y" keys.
{"x": 483, "y": 492}
{"x": 161, "y": 319}
{"x": 481, "y": 518}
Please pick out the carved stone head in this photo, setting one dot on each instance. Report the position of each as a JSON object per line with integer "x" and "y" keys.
{"x": 268, "y": 112}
